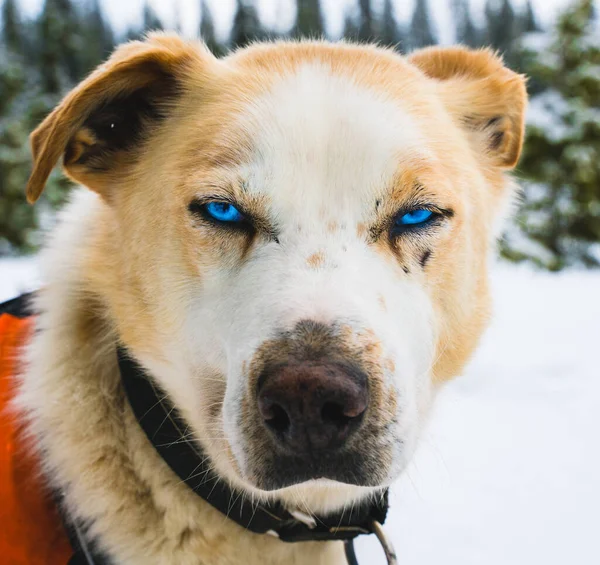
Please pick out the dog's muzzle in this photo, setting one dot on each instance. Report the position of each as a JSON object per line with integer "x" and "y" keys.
{"x": 310, "y": 412}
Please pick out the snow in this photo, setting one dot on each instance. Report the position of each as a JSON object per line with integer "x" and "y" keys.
{"x": 17, "y": 275}
{"x": 508, "y": 472}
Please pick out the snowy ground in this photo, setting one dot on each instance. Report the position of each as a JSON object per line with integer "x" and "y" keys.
{"x": 509, "y": 470}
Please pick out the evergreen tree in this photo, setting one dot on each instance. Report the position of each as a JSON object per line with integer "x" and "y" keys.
{"x": 207, "y": 29}
{"x": 51, "y": 58}
{"x": 390, "y": 33}
{"x": 11, "y": 26}
{"x": 150, "y": 19}
{"x": 22, "y": 107}
{"x": 309, "y": 20}
{"x": 561, "y": 162}
{"x": 421, "y": 31}
{"x": 528, "y": 20}
{"x": 502, "y": 27}
{"x": 366, "y": 26}
{"x": 466, "y": 32}
{"x": 100, "y": 40}
{"x": 60, "y": 45}
{"x": 246, "y": 25}
{"x": 351, "y": 25}
{"x": 17, "y": 220}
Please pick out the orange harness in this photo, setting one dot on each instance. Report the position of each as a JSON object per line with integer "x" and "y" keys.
{"x": 31, "y": 530}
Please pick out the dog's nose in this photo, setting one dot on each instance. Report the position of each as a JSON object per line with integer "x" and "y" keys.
{"x": 312, "y": 405}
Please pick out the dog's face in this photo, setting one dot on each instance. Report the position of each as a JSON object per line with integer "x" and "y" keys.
{"x": 299, "y": 237}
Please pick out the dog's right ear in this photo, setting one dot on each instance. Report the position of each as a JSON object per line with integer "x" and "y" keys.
{"x": 100, "y": 123}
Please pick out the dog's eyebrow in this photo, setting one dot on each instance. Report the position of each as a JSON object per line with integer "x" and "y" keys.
{"x": 236, "y": 191}
{"x": 403, "y": 192}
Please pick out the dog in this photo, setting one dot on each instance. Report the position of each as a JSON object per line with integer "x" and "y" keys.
{"x": 292, "y": 244}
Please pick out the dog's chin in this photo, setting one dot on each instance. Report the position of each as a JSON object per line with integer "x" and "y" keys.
{"x": 285, "y": 473}
{"x": 322, "y": 496}
{"x": 319, "y": 496}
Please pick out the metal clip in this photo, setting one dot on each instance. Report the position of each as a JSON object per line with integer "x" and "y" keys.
{"x": 386, "y": 544}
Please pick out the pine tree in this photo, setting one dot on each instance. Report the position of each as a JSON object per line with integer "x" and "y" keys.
{"x": 466, "y": 32}
{"x": 11, "y": 26}
{"x": 351, "y": 25}
{"x": 529, "y": 22}
{"x": 421, "y": 30}
{"x": 246, "y": 25}
{"x": 51, "y": 59}
{"x": 561, "y": 161}
{"x": 309, "y": 20}
{"x": 22, "y": 106}
{"x": 366, "y": 28}
{"x": 17, "y": 220}
{"x": 207, "y": 29}
{"x": 502, "y": 26}
{"x": 100, "y": 40}
{"x": 390, "y": 33}
{"x": 60, "y": 45}
{"x": 150, "y": 19}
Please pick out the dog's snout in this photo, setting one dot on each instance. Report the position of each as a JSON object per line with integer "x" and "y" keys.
{"x": 309, "y": 406}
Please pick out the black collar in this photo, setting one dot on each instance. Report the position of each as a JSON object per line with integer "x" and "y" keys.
{"x": 165, "y": 430}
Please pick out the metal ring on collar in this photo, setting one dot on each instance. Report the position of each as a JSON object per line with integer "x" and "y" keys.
{"x": 386, "y": 544}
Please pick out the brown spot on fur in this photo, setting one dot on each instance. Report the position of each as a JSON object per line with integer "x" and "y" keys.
{"x": 332, "y": 226}
{"x": 316, "y": 260}
{"x": 361, "y": 230}
{"x": 381, "y": 301}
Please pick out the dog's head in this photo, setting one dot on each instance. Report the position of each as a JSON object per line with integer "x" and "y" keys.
{"x": 294, "y": 240}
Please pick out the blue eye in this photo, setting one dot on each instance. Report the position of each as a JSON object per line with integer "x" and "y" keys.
{"x": 223, "y": 212}
{"x": 415, "y": 217}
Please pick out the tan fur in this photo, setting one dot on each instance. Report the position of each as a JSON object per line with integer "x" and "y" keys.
{"x": 112, "y": 278}
{"x": 316, "y": 260}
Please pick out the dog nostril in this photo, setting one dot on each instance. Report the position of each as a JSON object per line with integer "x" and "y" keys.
{"x": 333, "y": 413}
{"x": 278, "y": 419}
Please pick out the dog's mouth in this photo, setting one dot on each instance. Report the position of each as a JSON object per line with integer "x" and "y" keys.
{"x": 349, "y": 468}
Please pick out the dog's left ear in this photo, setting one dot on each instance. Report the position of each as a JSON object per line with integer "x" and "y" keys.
{"x": 486, "y": 98}
{"x": 100, "y": 125}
